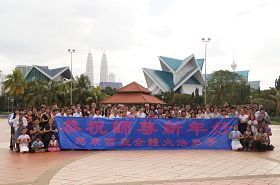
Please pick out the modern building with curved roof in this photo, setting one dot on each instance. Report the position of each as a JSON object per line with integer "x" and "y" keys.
{"x": 181, "y": 76}
{"x": 35, "y": 72}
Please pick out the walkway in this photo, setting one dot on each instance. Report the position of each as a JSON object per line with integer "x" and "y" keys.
{"x": 165, "y": 167}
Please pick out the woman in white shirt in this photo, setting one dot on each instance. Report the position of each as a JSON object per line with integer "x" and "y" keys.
{"x": 243, "y": 119}
{"x": 97, "y": 113}
{"x": 141, "y": 113}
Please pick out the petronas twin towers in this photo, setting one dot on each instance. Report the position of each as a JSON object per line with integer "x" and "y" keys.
{"x": 103, "y": 68}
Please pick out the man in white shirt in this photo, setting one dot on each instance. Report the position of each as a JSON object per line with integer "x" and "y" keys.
{"x": 19, "y": 123}
{"x": 78, "y": 112}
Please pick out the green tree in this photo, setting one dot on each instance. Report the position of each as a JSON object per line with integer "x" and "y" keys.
{"x": 180, "y": 99}
{"x": 64, "y": 94}
{"x": 96, "y": 95}
{"x": 166, "y": 96}
{"x": 15, "y": 84}
{"x": 276, "y": 99}
{"x": 277, "y": 83}
{"x": 81, "y": 89}
{"x": 36, "y": 93}
{"x": 224, "y": 86}
{"x": 53, "y": 90}
{"x": 270, "y": 105}
{"x": 197, "y": 99}
{"x": 109, "y": 91}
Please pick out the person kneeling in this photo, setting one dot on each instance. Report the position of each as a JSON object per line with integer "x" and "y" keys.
{"x": 53, "y": 145}
{"x": 23, "y": 141}
{"x": 261, "y": 140}
{"x": 235, "y": 136}
{"x": 37, "y": 145}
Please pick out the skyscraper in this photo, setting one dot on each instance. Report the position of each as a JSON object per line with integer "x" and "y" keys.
{"x": 112, "y": 77}
{"x": 89, "y": 68}
{"x": 2, "y": 79}
{"x": 104, "y": 69}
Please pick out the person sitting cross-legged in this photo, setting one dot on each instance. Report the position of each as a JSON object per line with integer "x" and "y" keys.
{"x": 37, "y": 145}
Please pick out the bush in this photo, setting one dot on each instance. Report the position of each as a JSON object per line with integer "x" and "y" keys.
{"x": 179, "y": 99}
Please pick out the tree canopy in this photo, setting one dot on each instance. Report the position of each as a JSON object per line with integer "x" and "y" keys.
{"x": 224, "y": 86}
{"x": 15, "y": 83}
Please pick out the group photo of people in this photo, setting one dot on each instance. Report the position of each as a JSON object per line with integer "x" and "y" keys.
{"x": 34, "y": 130}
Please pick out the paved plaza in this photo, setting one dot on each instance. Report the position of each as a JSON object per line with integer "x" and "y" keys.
{"x": 142, "y": 167}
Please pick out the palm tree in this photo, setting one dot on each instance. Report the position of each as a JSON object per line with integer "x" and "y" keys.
{"x": 96, "y": 95}
{"x": 276, "y": 98}
{"x": 217, "y": 94}
{"x": 64, "y": 93}
{"x": 81, "y": 89}
{"x": 15, "y": 84}
{"x": 37, "y": 93}
{"x": 53, "y": 90}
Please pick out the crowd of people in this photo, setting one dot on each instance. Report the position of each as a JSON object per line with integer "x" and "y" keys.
{"x": 33, "y": 129}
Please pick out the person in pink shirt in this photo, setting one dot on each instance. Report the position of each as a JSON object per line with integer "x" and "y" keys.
{"x": 53, "y": 145}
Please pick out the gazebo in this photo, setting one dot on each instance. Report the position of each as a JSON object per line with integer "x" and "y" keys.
{"x": 133, "y": 93}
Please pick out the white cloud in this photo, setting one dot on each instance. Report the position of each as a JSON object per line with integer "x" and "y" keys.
{"x": 135, "y": 32}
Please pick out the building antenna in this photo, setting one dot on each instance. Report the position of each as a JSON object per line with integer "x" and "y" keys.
{"x": 233, "y": 65}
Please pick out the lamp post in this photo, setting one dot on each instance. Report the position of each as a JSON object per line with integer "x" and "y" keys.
{"x": 8, "y": 105}
{"x": 205, "y": 54}
{"x": 71, "y": 51}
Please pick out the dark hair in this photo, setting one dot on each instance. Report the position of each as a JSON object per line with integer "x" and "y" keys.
{"x": 262, "y": 109}
{"x": 38, "y": 137}
{"x": 260, "y": 128}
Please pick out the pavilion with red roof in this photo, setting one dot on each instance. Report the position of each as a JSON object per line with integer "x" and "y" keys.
{"x": 133, "y": 93}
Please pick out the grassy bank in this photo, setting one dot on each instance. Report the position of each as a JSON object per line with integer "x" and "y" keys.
{"x": 275, "y": 120}
{"x": 4, "y": 113}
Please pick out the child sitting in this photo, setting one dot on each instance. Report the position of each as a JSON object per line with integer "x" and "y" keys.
{"x": 53, "y": 145}
{"x": 247, "y": 139}
{"x": 235, "y": 136}
{"x": 23, "y": 141}
{"x": 261, "y": 140}
{"x": 37, "y": 145}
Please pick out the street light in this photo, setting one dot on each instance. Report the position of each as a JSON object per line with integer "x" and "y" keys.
{"x": 205, "y": 89}
{"x": 71, "y": 51}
